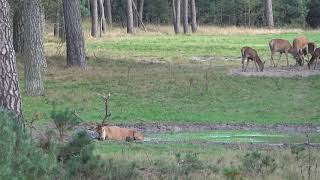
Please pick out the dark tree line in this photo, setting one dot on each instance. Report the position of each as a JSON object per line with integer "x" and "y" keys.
{"x": 222, "y": 12}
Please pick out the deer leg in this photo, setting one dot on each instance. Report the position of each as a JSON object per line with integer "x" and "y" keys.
{"x": 279, "y": 59}
{"x": 272, "y": 61}
{"x": 243, "y": 59}
{"x": 315, "y": 66}
{"x": 245, "y": 70}
{"x": 255, "y": 63}
{"x": 287, "y": 59}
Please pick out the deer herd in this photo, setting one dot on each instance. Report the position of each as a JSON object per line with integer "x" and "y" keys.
{"x": 300, "y": 48}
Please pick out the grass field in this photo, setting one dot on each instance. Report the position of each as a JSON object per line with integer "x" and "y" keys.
{"x": 155, "y": 77}
{"x": 152, "y": 78}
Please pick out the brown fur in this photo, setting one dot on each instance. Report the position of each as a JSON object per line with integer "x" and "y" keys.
{"x": 311, "y": 48}
{"x": 249, "y": 53}
{"x": 315, "y": 57}
{"x": 299, "y": 44}
{"x": 118, "y": 133}
{"x": 281, "y": 46}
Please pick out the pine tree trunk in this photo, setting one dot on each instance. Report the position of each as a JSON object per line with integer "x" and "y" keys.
{"x": 56, "y": 24}
{"x": 10, "y": 98}
{"x": 62, "y": 28}
{"x": 141, "y": 12}
{"x": 74, "y": 34}
{"x": 35, "y": 62}
{"x": 18, "y": 30}
{"x": 107, "y": 6}
{"x": 102, "y": 18}
{"x": 194, "y": 16}
{"x": 269, "y": 13}
{"x": 185, "y": 16}
{"x": 94, "y": 17}
{"x": 176, "y": 15}
{"x": 129, "y": 17}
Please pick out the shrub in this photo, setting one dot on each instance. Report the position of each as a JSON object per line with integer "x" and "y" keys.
{"x": 84, "y": 164}
{"x": 189, "y": 163}
{"x": 20, "y": 159}
{"x": 257, "y": 163}
{"x": 232, "y": 173}
{"x": 63, "y": 120}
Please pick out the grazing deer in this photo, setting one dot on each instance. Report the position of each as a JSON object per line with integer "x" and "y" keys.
{"x": 299, "y": 44}
{"x": 315, "y": 57}
{"x": 311, "y": 48}
{"x": 251, "y": 54}
{"x": 281, "y": 46}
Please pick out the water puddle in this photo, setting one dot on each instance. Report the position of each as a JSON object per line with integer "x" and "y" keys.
{"x": 233, "y": 137}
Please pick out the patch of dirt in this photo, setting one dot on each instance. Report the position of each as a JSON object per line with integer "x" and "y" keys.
{"x": 284, "y": 71}
{"x": 209, "y": 58}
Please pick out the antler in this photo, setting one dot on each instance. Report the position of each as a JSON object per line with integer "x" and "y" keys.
{"x": 106, "y": 101}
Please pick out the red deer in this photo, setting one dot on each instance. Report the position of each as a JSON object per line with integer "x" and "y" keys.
{"x": 311, "y": 48}
{"x": 299, "y": 44}
{"x": 119, "y": 134}
{"x": 281, "y": 46}
{"x": 315, "y": 57}
{"x": 251, "y": 54}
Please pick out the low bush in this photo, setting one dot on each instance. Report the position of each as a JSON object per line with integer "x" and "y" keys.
{"x": 19, "y": 157}
{"x": 256, "y": 163}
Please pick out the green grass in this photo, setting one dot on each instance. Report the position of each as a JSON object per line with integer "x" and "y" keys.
{"x": 185, "y": 47}
{"x": 162, "y": 92}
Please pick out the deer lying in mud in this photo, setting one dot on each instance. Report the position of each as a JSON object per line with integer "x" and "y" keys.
{"x": 315, "y": 57}
{"x": 250, "y": 54}
{"x": 118, "y": 133}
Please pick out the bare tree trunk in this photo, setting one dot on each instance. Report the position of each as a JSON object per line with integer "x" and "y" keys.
{"x": 94, "y": 17}
{"x": 18, "y": 30}
{"x": 56, "y": 23}
{"x": 74, "y": 34}
{"x": 10, "y": 98}
{"x": 129, "y": 17}
{"x": 135, "y": 14}
{"x": 176, "y": 15}
{"x": 102, "y": 17}
{"x": 141, "y": 12}
{"x": 62, "y": 28}
{"x": 269, "y": 13}
{"x": 107, "y": 6}
{"x": 185, "y": 16}
{"x": 35, "y": 62}
{"x": 194, "y": 16}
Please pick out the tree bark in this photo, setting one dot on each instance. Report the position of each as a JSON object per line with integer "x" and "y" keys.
{"x": 107, "y": 6}
{"x": 102, "y": 18}
{"x": 35, "y": 62}
{"x": 141, "y": 12}
{"x": 185, "y": 17}
{"x": 129, "y": 17}
{"x": 74, "y": 34}
{"x": 269, "y": 13}
{"x": 62, "y": 28}
{"x": 194, "y": 26}
{"x": 176, "y": 15}
{"x": 10, "y": 98}
{"x": 18, "y": 30}
{"x": 94, "y": 17}
{"x": 56, "y": 24}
